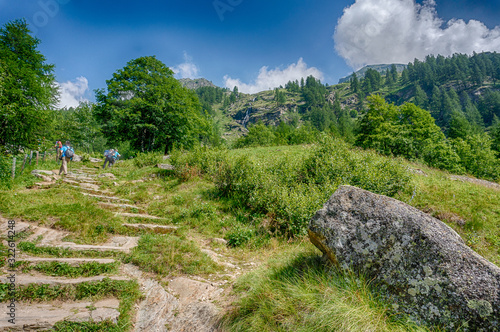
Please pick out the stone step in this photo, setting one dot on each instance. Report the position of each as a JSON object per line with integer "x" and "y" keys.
{"x": 46, "y": 235}
{"x": 123, "y": 206}
{"x": 93, "y": 190}
{"x": 27, "y": 279}
{"x": 88, "y": 169}
{"x": 163, "y": 229}
{"x": 118, "y": 243}
{"x": 69, "y": 261}
{"x": 45, "y": 178}
{"x": 73, "y": 182}
{"x": 89, "y": 186}
{"x": 137, "y": 215}
{"x": 111, "y": 198}
{"x": 44, "y": 172}
{"x": 17, "y": 227}
{"x": 44, "y": 184}
{"x": 43, "y": 316}
{"x": 107, "y": 175}
{"x": 81, "y": 179}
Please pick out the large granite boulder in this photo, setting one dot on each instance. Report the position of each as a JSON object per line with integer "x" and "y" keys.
{"x": 423, "y": 265}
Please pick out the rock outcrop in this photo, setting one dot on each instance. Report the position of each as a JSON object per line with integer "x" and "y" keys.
{"x": 422, "y": 264}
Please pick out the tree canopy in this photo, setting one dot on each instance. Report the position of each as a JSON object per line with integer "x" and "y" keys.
{"x": 403, "y": 130}
{"x": 27, "y": 88}
{"x": 147, "y": 106}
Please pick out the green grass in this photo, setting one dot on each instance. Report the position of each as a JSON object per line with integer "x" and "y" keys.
{"x": 170, "y": 255}
{"x": 57, "y": 269}
{"x": 470, "y": 209}
{"x": 105, "y": 326}
{"x": 31, "y": 248}
{"x": 297, "y": 292}
{"x": 93, "y": 290}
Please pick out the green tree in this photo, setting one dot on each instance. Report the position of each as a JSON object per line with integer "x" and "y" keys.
{"x": 495, "y": 134}
{"x": 403, "y": 130}
{"x": 459, "y": 126}
{"x": 471, "y": 112}
{"x": 258, "y": 135}
{"x": 279, "y": 97}
{"x": 27, "y": 89}
{"x": 376, "y": 128}
{"x": 421, "y": 99}
{"x": 147, "y": 106}
{"x": 354, "y": 83}
{"x": 477, "y": 157}
{"x": 346, "y": 126}
{"x": 394, "y": 73}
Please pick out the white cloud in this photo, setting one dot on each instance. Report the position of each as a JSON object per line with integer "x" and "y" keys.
{"x": 270, "y": 79}
{"x": 187, "y": 69}
{"x": 71, "y": 93}
{"x": 398, "y": 31}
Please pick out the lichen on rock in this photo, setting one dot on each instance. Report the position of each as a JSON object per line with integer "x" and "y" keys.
{"x": 424, "y": 267}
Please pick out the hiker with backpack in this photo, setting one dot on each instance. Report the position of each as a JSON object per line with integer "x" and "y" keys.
{"x": 67, "y": 154}
{"x": 110, "y": 157}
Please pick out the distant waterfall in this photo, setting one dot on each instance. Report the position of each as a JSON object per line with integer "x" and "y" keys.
{"x": 247, "y": 115}
{"x": 246, "y": 118}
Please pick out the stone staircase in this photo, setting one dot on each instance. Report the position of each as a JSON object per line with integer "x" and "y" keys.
{"x": 185, "y": 305}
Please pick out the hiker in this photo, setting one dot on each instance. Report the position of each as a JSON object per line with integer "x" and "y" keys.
{"x": 109, "y": 156}
{"x": 58, "y": 147}
{"x": 67, "y": 153}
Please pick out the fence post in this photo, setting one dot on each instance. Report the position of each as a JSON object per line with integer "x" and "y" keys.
{"x": 31, "y": 156}
{"x": 24, "y": 163}
{"x": 37, "y": 155}
{"x": 43, "y": 157}
{"x": 14, "y": 167}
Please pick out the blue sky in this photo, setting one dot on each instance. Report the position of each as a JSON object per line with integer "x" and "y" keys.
{"x": 253, "y": 44}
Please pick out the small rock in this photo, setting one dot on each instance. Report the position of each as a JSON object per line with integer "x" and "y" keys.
{"x": 219, "y": 241}
{"x": 166, "y": 166}
{"x": 39, "y": 171}
{"x": 43, "y": 177}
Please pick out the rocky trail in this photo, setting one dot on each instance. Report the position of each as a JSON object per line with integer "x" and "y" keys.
{"x": 181, "y": 303}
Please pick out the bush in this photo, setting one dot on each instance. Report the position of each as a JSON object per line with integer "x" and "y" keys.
{"x": 477, "y": 157}
{"x": 201, "y": 160}
{"x": 335, "y": 163}
{"x": 290, "y": 189}
{"x": 147, "y": 159}
{"x": 5, "y": 168}
{"x": 239, "y": 236}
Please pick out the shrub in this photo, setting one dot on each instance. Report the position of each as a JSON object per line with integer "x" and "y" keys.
{"x": 290, "y": 189}
{"x": 147, "y": 159}
{"x": 477, "y": 157}
{"x": 239, "y": 236}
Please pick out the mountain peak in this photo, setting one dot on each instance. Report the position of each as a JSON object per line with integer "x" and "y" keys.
{"x": 196, "y": 83}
